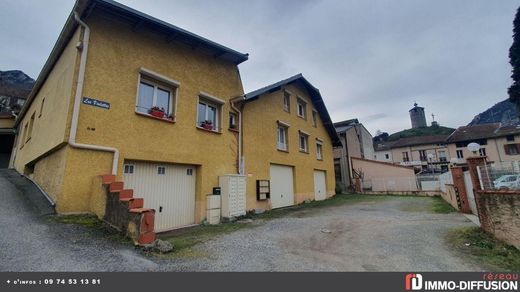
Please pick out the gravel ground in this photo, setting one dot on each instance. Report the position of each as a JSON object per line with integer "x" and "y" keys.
{"x": 391, "y": 234}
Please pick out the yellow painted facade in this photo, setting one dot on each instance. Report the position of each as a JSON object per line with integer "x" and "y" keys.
{"x": 118, "y": 54}
{"x": 261, "y": 118}
{"x": 115, "y": 57}
{"x": 43, "y": 156}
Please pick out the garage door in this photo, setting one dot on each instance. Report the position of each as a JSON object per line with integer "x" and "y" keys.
{"x": 282, "y": 192}
{"x": 167, "y": 188}
{"x": 320, "y": 189}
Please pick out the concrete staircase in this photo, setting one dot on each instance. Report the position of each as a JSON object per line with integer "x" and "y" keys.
{"x": 127, "y": 213}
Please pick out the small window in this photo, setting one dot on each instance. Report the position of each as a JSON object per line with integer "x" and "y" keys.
{"x": 442, "y": 156}
{"x": 422, "y": 155}
{"x": 282, "y": 138}
{"x": 155, "y": 99}
{"x": 314, "y": 118}
{"x": 161, "y": 170}
{"x": 510, "y": 138}
{"x": 304, "y": 143}
{"x": 460, "y": 154}
{"x": 405, "y": 157}
{"x": 23, "y": 135}
{"x": 286, "y": 101}
{"x": 387, "y": 156}
{"x": 512, "y": 149}
{"x": 482, "y": 151}
{"x": 31, "y": 125}
{"x": 41, "y": 108}
{"x": 128, "y": 169}
{"x": 301, "y": 108}
{"x": 319, "y": 151}
{"x": 233, "y": 121}
{"x": 189, "y": 171}
{"x": 207, "y": 115}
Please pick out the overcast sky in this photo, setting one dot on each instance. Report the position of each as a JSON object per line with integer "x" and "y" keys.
{"x": 370, "y": 59}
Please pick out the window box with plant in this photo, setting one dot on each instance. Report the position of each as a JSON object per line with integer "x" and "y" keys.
{"x": 156, "y": 97}
{"x": 157, "y": 112}
{"x": 207, "y": 125}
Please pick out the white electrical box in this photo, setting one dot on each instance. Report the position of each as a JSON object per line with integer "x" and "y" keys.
{"x": 213, "y": 209}
{"x": 233, "y": 195}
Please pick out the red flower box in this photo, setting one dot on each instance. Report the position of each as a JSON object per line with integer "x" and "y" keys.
{"x": 156, "y": 113}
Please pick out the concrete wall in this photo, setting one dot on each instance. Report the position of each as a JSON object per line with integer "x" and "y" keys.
{"x": 260, "y": 145}
{"x": 366, "y": 142}
{"x": 498, "y": 214}
{"x": 495, "y": 151}
{"x": 385, "y": 176}
{"x": 381, "y": 156}
{"x": 451, "y": 196}
{"x": 414, "y": 155}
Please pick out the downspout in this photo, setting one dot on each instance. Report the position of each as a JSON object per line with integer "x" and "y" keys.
{"x": 240, "y": 168}
{"x": 77, "y": 100}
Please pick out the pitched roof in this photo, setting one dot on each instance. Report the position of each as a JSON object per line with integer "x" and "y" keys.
{"x": 411, "y": 141}
{"x": 316, "y": 99}
{"x": 482, "y": 131}
{"x": 85, "y": 7}
{"x": 343, "y": 126}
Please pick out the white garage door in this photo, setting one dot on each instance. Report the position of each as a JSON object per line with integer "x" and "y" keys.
{"x": 282, "y": 192}
{"x": 320, "y": 189}
{"x": 167, "y": 188}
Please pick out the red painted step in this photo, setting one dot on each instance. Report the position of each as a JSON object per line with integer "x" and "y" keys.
{"x": 108, "y": 179}
{"x": 147, "y": 222}
{"x": 134, "y": 203}
{"x": 141, "y": 210}
{"x": 126, "y": 194}
{"x": 146, "y": 238}
{"x": 116, "y": 186}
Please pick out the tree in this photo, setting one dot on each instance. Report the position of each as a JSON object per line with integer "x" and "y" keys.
{"x": 514, "y": 60}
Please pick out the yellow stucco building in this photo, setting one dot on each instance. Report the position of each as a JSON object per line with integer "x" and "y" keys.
{"x": 164, "y": 111}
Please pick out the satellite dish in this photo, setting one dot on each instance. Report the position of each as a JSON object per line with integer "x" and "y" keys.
{"x": 473, "y": 147}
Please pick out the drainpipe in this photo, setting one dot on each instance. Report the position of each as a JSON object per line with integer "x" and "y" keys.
{"x": 77, "y": 100}
{"x": 240, "y": 168}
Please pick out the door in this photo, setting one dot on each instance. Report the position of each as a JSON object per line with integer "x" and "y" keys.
{"x": 167, "y": 188}
{"x": 282, "y": 186}
{"x": 320, "y": 189}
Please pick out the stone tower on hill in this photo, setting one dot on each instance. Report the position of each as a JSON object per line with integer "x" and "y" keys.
{"x": 417, "y": 117}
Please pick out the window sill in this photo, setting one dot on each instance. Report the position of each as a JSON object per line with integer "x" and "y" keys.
{"x": 282, "y": 150}
{"x": 209, "y": 131}
{"x": 319, "y": 159}
{"x": 233, "y": 130}
{"x": 155, "y": 118}
{"x": 303, "y": 151}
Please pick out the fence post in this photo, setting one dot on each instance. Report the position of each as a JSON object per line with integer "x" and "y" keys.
{"x": 458, "y": 181}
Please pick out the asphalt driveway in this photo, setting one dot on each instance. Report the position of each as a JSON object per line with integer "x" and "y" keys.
{"x": 389, "y": 234}
{"x": 31, "y": 241}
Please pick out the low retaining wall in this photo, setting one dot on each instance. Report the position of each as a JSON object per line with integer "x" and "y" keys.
{"x": 499, "y": 214}
{"x": 451, "y": 196}
{"x": 405, "y": 193}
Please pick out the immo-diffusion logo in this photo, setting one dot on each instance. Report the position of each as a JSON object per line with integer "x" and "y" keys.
{"x": 490, "y": 282}
{"x": 413, "y": 282}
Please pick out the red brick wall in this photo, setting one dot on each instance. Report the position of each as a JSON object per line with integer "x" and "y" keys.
{"x": 458, "y": 181}
{"x": 499, "y": 214}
